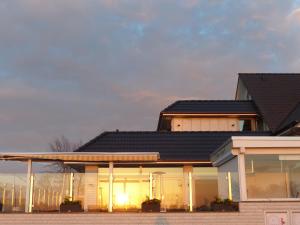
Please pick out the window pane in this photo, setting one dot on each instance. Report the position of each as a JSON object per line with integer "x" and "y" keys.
{"x": 272, "y": 176}
{"x": 168, "y": 186}
{"x": 205, "y": 183}
{"x": 245, "y": 125}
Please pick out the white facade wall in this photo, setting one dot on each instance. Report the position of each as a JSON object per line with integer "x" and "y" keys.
{"x": 91, "y": 187}
{"x": 205, "y": 124}
{"x": 251, "y": 213}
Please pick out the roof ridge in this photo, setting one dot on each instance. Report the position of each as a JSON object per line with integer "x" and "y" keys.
{"x": 177, "y": 132}
{"x": 297, "y": 74}
{"x": 213, "y": 100}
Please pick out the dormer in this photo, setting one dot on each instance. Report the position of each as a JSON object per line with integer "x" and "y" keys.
{"x": 203, "y": 115}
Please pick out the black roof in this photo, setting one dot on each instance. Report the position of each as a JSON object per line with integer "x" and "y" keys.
{"x": 211, "y": 106}
{"x": 171, "y": 145}
{"x": 275, "y": 95}
{"x": 292, "y": 119}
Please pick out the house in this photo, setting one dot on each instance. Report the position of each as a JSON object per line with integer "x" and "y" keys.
{"x": 246, "y": 149}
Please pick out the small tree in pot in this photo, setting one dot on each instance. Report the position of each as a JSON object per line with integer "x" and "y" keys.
{"x": 225, "y": 205}
{"x": 70, "y": 206}
{"x": 151, "y": 205}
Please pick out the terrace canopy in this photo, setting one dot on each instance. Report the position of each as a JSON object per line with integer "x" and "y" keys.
{"x": 83, "y": 156}
{"x": 76, "y": 157}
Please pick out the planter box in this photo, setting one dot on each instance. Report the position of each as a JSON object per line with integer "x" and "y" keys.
{"x": 151, "y": 206}
{"x": 70, "y": 207}
{"x": 221, "y": 207}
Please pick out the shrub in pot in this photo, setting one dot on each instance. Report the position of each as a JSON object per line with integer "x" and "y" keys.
{"x": 70, "y": 206}
{"x": 151, "y": 205}
{"x": 225, "y": 205}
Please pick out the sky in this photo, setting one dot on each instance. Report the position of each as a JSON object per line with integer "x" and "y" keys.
{"x": 80, "y": 67}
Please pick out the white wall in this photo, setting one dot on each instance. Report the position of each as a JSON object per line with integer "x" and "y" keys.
{"x": 205, "y": 124}
{"x": 91, "y": 187}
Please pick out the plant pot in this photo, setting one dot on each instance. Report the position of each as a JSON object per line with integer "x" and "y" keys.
{"x": 221, "y": 207}
{"x": 74, "y": 207}
{"x": 151, "y": 206}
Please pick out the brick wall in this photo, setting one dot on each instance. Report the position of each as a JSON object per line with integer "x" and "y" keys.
{"x": 251, "y": 213}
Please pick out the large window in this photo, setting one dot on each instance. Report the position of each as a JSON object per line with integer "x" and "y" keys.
{"x": 168, "y": 186}
{"x": 133, "y": 185}
{"x": 272, "y": 176}
{"x": 205, "y": 182}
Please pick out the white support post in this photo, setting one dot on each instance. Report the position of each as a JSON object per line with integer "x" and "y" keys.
{"x": 150, "y": 186}
{"x": 29, "y": 188}
{"x": 20, "y": 196}
{"x": 229, "y": 186}
{"x": 3, "y": 197}
{"x": 110, "y": 197}
{"x": 71, "y": 186}
{"x": 31, "y": 192}
{"x": 190, "y": 192}
{"x": 242, "y": 175}
{"x": 39, "y": 197}
{"x": 13, "y": 196}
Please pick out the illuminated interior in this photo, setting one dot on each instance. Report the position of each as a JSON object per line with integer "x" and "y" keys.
{"x": 131, "y": 186}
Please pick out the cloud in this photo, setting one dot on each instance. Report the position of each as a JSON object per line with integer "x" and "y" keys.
{"x": 294, "y": 17}
{"x": 77, "y": 68}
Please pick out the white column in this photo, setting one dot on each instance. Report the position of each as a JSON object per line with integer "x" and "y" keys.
{"x": 242, "y": 175}
{"x": 3, "y": 197}
{"x": 13, "y": 196}
{"x": 110, "y": 197}
{"x": 29, "y": 188}
{"x": 91, "y": 188}
{"x": 190, "y": 192}
{"x": 71, "y": 186}
{"x": 188, "y": 187}
{"x": 229, "y": 186}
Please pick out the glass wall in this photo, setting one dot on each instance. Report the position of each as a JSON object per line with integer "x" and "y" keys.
{"x": 51, "y": 189}
{"x": 103, "y": 188}
{"x": 168, "y": 186}
{"x": 205, "y": 186}
{"x": 12, "y": 192}
{"x": 272, "y": 176}
{"x": 132, "y": 186}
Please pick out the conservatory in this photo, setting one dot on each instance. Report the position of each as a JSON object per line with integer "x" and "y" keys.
{"x": 259, "y": 168}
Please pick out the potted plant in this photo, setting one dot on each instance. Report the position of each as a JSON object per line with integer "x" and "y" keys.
{"x": 223, "y": 205}
{"x": 70, "y": 206}
{"x": 151, "y": 205}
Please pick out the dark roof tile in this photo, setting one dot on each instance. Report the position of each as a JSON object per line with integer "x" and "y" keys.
{"x": 211, "y": 106}
{"x": 170, "y": 145}
{"x": 275, "y": 95}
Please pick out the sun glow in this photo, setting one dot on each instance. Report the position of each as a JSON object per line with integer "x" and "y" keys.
{"x": 122, "y": 198}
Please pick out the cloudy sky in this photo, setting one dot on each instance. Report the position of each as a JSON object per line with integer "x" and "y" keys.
{"x": 79, "y": 67}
